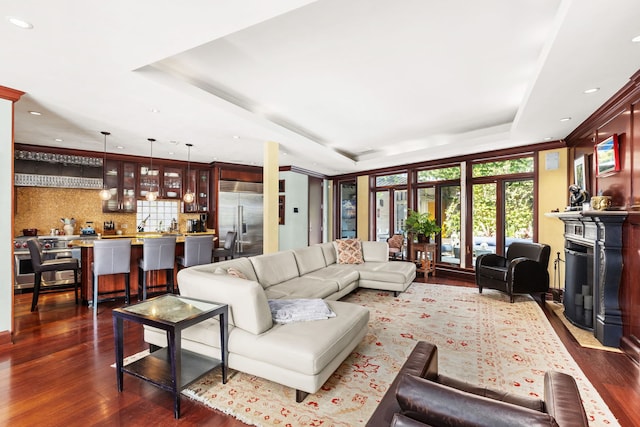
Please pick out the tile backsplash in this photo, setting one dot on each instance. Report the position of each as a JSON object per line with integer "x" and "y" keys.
{"x": 42, "y": 208}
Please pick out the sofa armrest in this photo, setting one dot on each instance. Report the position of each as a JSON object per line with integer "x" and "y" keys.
{"x": 562, "y": 400}
{"x": 400, "y": 420}
{"x": 491, "y": 260}
{"x": 527, "y": 274}
{"x": 439, "y": 405}
{"x": 422, "y": 362}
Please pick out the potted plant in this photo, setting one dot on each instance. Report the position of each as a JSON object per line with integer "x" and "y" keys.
{"x": 421, "y": 225}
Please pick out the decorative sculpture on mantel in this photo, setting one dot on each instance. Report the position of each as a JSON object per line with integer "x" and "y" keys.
{"x": 577, "y": 196}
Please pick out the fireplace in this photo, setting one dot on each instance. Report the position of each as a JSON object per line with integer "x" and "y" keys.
{"x": 593, "y": 269}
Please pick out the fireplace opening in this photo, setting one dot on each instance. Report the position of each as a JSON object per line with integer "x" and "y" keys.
{"x": 578, "y": 293}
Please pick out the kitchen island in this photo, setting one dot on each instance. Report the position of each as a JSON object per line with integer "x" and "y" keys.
{"x": 115, "y": 283}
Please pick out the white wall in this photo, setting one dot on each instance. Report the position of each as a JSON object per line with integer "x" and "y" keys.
{"x": 6, "y": 214}
{"x": 295, "y": 231}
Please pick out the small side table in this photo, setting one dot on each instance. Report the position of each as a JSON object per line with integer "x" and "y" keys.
{"x": 424, "y": 255}
{"x": 171, "y": 368}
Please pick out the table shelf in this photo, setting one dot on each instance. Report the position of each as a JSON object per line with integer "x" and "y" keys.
{"x": 156, "y": 368}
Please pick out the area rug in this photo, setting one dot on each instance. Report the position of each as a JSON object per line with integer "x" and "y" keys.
{"x": 583, "y": 337}
{"x": 481, "y": 338}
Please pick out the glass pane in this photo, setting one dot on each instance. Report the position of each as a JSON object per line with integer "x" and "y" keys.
{"x": 382, "y": 215}
{"x": 518, "y": 208}
{"x": 400, "y": 213}
{"x": 348, "y": 204}
{"x": 387, "y": 180}
{"x": 450, "y": 234}
{"x": 503, "y": 167}
{"x": 426, "y": 202}
{"x": 441, "y": 174}
{"x": 484, "y": 219}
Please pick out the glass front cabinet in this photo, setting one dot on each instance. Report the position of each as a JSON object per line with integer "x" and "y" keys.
{"x": 198, "y": 183}
{"x": 120, "y": 180}
{"x": 165, "y": 180}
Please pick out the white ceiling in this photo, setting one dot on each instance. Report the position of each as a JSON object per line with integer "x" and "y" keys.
{"x": 342, "y": 85}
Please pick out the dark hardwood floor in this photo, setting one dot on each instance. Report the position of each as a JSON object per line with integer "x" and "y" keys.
{"x": 57, "y": 372}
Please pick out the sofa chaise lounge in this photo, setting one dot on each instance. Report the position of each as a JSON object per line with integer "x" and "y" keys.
{"x": 300, "y": 355}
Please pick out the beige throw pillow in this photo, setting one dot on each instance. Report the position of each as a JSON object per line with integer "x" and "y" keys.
{"x": 349, "y": 251}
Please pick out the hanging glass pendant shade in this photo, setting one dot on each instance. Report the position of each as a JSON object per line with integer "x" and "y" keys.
{"x": 189, "y": 196}
{"x": 151, "y": 195}
{"x": 105, "y": 194}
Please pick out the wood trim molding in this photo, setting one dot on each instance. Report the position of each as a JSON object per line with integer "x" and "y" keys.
{"x": 10, "y": 94}
{"x": 629, "y": 94}
{"x": 5, "y": 337}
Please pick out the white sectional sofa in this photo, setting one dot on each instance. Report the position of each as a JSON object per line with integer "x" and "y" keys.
{"x": 300, "y": 355}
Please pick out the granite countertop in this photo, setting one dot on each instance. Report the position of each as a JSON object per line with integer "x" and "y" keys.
{"x": 138, "y": 238}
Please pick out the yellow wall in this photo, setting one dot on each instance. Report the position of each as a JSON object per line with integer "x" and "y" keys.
{"x": 362, "y": 186}
{"x": 552, "y": 194}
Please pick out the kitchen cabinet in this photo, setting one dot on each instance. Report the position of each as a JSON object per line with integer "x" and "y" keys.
{"x": 166, "y": 180}
{"x": 198, "y": 182}
{"x": 120, "y": 180}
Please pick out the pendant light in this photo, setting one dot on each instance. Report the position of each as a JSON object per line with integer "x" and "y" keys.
{"x": 189, "y": 197}
{"x": 151, "y": 195}
{"x": 105, "y": 194}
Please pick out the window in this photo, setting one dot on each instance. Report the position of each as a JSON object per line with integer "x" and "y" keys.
{"x": 157, "y": 215}
{"x": 390, "y": 205}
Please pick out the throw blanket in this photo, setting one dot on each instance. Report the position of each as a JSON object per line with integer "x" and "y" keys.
{"x": 299, "y": 310}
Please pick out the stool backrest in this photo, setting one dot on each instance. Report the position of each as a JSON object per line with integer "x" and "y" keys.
{"x": 35, "y": 250}
{"x": 159, "y": 253}
{"x": 111, "y": 256}
{"x": 197, "y": 250}
{"x": 230, "y": 241}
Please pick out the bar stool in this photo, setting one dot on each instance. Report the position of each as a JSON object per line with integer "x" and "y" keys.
{"x": 197, "y": 250}
{"x": 229, "y": 248}
{"x": 40, "y": 265}
{"x": 158, "y": 253}
{"x": 111, "y": 257}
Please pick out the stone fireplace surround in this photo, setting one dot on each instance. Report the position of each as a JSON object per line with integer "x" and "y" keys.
{"x": 593, "y": 247}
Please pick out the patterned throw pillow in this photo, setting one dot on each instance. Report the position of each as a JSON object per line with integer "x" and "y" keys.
{"x": 349, "y": 251}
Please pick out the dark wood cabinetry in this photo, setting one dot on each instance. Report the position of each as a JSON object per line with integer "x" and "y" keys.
{"x": 166, "y": 180}
{"x": 198, "y": 182}
{"x": 120, "y": 180}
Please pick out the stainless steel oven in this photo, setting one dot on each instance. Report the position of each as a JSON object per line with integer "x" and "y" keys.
{"x": 53, "y": 247}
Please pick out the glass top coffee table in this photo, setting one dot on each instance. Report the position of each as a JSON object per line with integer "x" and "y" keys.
{"x": 171, "y": 368}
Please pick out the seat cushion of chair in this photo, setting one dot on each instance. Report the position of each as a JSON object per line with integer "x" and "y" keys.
{"x": 497, "y": 273}
{"x": 60, "y": 264}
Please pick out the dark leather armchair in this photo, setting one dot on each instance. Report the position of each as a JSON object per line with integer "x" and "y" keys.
{"x": 420, "y": 396}
{"x": 522, "y": 271}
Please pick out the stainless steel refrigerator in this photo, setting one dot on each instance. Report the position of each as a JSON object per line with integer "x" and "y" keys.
{"x": 240, "y": 209}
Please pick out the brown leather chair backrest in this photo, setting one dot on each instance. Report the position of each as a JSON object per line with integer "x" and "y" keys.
{"x": 535, "y": 251}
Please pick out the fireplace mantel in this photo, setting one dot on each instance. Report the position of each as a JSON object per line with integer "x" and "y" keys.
{"x": 600, "y": 231}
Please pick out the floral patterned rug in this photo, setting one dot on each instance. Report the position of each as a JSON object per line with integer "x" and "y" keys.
{"x": 481, "y": 338}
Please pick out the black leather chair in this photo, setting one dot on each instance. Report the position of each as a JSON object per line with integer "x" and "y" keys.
{"x": 522, "y": 271}
{"x": 40, "y": 265}
{"x": 229, "y": 248}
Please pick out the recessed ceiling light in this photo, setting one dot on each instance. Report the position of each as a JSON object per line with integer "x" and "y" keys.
{"x": 155, "y": 110}
{"x": 20, "y": 22}
{"x": 171, "y": 153}
{"x": 35, "y": 113}
{"x": 565, "y": 119}
{"x": 236, "y": 137}
{"x": 59, "y": 140}
{"x": 592, "y": 90}
{"x": 119, "y": 147}
{"x": 548, "y": 138}
{"x": 636, "y": 39}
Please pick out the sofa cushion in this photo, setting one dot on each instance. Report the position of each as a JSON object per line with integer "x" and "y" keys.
{"x": 305, "y": 347}
{"x": 395, "y": 272}
{"x": 329, "y": 252}
{"x": 309, "y": 259}
{"x": 248, "y": 306}
{"x": 342, "y": 274}
{"x": 349, "y": 251}
{"x": 375, "y": 251}
{"x": 275, "y": 268}
{"x": 305, "y": 287}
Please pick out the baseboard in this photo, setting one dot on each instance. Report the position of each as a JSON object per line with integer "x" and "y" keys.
{"x": 5, "y": 338}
